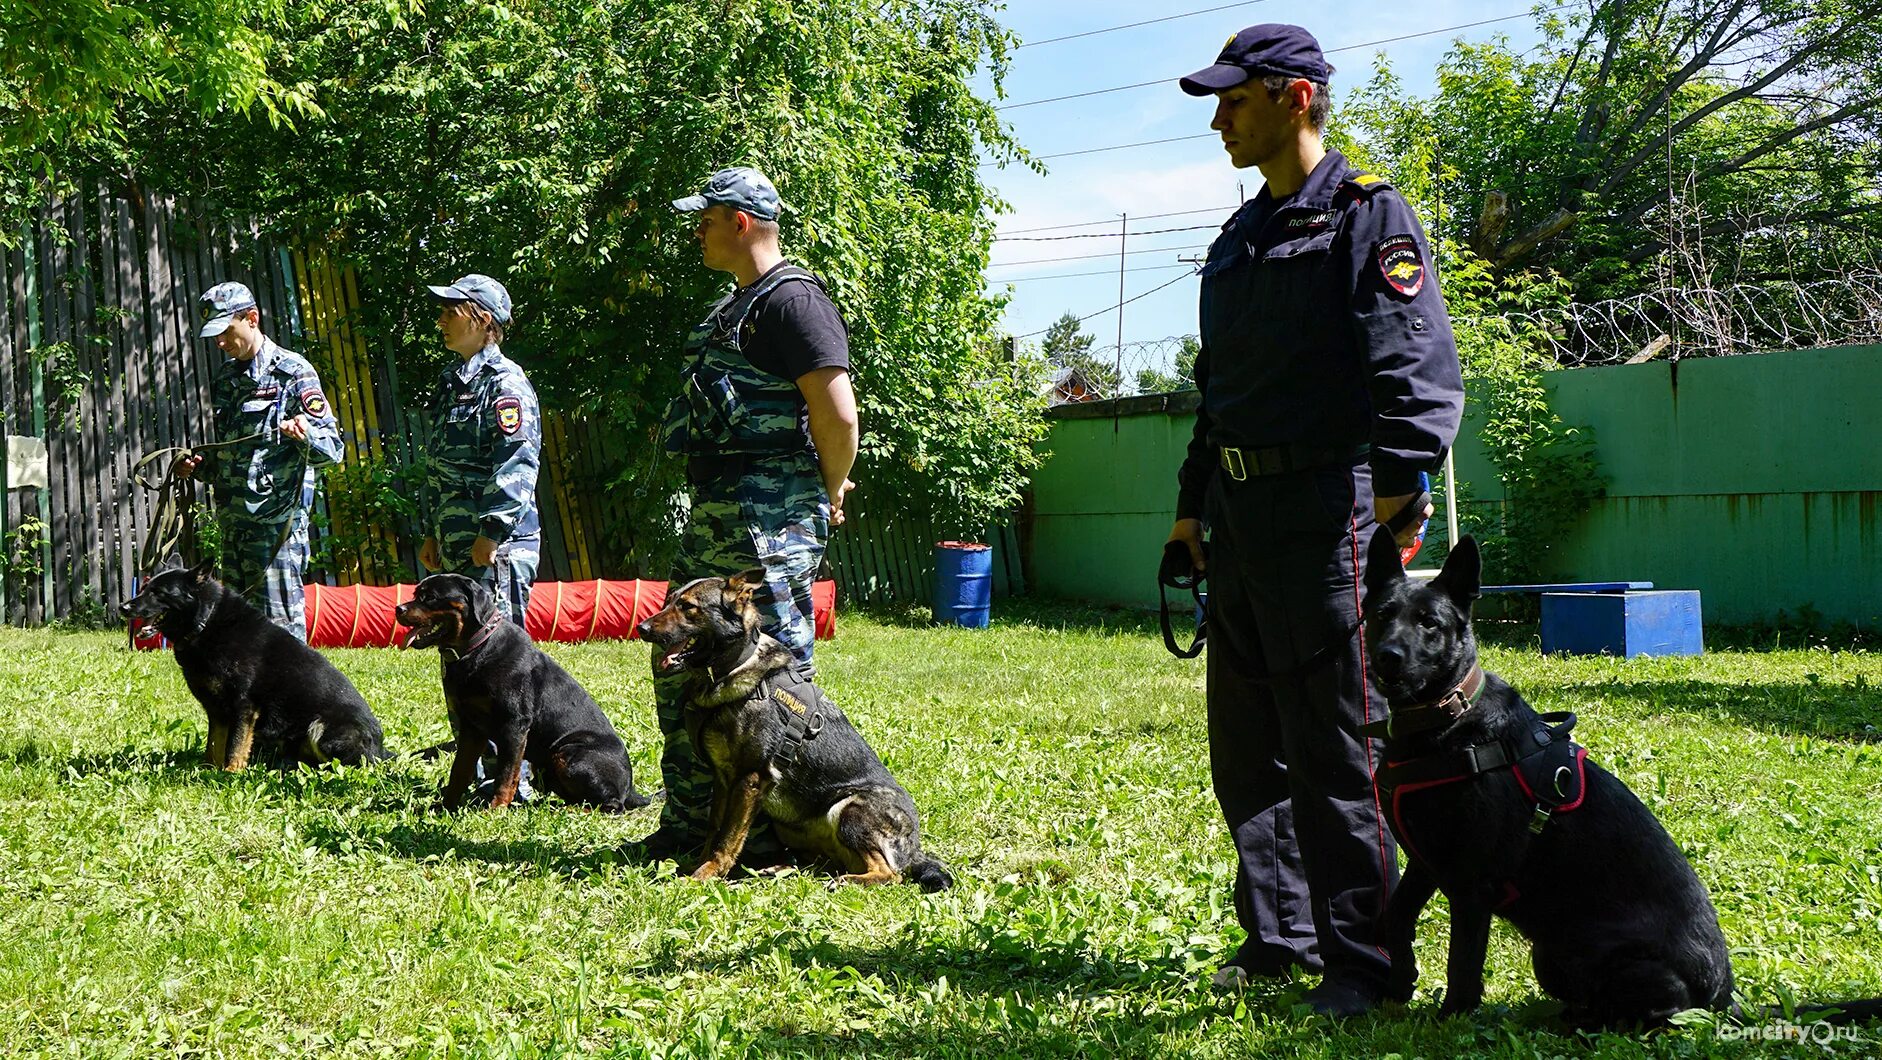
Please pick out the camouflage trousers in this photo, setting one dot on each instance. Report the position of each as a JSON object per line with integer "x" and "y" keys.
{"x": 267, "y": 564}
{"x": 775, "y": 516}
{"x": 509, "y": 577}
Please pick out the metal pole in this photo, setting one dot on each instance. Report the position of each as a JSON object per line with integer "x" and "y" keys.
{"x": 1117, "y": 409}
{"x": 39, "y": 421}
{"x": 1450, "y": 501}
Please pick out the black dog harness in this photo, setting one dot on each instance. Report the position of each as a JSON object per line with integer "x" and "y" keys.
{"x": 800, "y": 704}
{"x": 1550, "y": 768}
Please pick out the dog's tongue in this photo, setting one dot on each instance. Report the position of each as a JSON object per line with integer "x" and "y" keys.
{"x": 411, "y": 637}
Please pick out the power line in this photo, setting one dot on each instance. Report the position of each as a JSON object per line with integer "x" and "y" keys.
{"x": 1088, "y": 257}
{"x": 1100, "y": 272}
{"x": 1107, "y": 220}
{"x": 1111, "y": 307}
{"x": 1134, "y": 25}
{"x": 1331, "y": 51}
{"x": 1120, "y": 147}
{"x": 1098, "y": 235}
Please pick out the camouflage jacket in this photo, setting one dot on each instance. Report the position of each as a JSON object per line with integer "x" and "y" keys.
{"x": 268, "y": 479}
{"x": 486, "y": 444}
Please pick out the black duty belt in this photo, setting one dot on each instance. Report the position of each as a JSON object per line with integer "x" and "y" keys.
{"x": 1241, "y": 464}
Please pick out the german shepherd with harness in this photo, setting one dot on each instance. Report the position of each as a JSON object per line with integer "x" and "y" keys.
{"x": 267, "y": 694}
{"x": 1497, "y": 807}
{"x": 776, "y": 743}
{"x": 499, "y": 688}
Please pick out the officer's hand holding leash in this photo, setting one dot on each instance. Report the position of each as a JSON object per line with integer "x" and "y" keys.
{"x": 295, "y": 428}
{"x": 429, "y": 555}
{"x": 1182, "y": 569}
{"x": 1189, "y": 532}
{"x": 1404, "y": 517}
{"x": 484, "y": 552}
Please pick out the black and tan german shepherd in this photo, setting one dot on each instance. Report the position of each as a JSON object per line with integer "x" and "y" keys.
{"x": 500, "y": 689}
{"x": 268, "y": 696}
{"x": 1498, "y": 808}
{"x": 776, "y": 743}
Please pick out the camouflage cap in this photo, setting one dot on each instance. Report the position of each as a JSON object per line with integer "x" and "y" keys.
{"x": 220, "y": 304}
{"x": 486, "y": 293}
{"x": 741, "y": 188}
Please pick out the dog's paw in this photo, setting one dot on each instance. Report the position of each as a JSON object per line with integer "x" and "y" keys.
{"x": 709, "y": 870}
{"x": 1459, "y": 1005}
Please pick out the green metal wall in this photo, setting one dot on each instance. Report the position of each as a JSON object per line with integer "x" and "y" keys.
{"x": 1754, "y": 479}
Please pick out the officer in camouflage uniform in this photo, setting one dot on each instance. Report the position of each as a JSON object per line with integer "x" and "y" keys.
{"x": 264, "y": 485}
{"x": 766, "y": 421}
{"x": 486, "y": 441}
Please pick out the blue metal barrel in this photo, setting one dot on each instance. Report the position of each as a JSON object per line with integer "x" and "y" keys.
{"x": 963, "y": 583}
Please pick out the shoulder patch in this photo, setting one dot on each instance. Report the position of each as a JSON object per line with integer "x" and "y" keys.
{"x": 1402, "y": 265}
{"x": 315, "y": 403}
{"x": 1365, "y": 185}
{"x": 509, "y": 414}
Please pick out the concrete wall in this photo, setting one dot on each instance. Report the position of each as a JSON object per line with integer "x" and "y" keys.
{"x": 1754, "y": 479}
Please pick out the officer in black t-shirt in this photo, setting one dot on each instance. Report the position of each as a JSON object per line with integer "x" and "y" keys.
{"x": 767, "y": 423}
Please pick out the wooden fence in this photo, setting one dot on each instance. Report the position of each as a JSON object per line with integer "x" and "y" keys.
{"x": 99, "y": 357}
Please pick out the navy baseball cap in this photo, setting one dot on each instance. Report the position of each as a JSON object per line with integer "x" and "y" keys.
{"x": 486, "y": 293}
{"x": 741, "y": 188}
{"x": 1258, "y": 51}
{"x": 220, "y": 304}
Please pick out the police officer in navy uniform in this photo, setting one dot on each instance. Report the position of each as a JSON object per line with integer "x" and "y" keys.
{"x": 1330, "y": 384}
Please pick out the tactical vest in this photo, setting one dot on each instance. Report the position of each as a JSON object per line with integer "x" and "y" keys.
{"x": 725, "y": 404}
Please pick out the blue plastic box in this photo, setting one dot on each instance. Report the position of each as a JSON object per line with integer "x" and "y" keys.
{"x": 1638, "y": 622}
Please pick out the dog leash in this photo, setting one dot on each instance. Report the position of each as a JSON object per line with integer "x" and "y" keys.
{"x": 1178, "y": 572}
{"x": 172, "y": 520}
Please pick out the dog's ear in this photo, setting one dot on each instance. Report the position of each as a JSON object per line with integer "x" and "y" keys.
{"x": 1383, "y": 567}
{"x": 483, "y": 604}
{"x": 1462, "y": 576}
{"x": 203, "y": 571}
{"x": 745, "y": 582}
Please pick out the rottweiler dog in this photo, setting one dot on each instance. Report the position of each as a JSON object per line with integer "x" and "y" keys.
{"x": 268, "y": 696}
{"x": 1500, "y": 809}
{"x": 499, "y": 688}
{"x": 774, "y": 741}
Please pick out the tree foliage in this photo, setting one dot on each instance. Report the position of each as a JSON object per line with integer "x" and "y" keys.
{"x": 541, "y": 143}
{"x": 70, "y": 68}
{"x": 1756, "y": 120}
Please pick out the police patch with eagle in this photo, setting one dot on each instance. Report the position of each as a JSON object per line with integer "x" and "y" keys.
{"x": 1402, "y": 265}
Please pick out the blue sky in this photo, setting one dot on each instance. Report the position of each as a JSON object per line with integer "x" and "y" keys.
{"x": 1185, "y": 176}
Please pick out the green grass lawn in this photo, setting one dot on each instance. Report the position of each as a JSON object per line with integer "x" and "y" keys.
{"x": 153, "y": 908}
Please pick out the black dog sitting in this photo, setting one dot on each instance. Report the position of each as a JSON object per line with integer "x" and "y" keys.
{"x": 1496, "y": 807}
{"x": 499, "y": 688}
{"x": 267, "y": 694}
{"x": 775, "y": 742}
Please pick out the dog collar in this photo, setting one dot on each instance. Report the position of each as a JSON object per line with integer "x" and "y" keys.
{"x": 1438, "y": 713}
{"x": 477, "y": 641}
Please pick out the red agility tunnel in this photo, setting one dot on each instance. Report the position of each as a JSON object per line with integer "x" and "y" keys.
{"x": 360, "y": 616}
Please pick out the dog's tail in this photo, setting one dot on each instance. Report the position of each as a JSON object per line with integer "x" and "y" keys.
{"x": 634, "y": 800}
{"x": 929, "y": 874}
{"x": 1859, "y": 1011}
